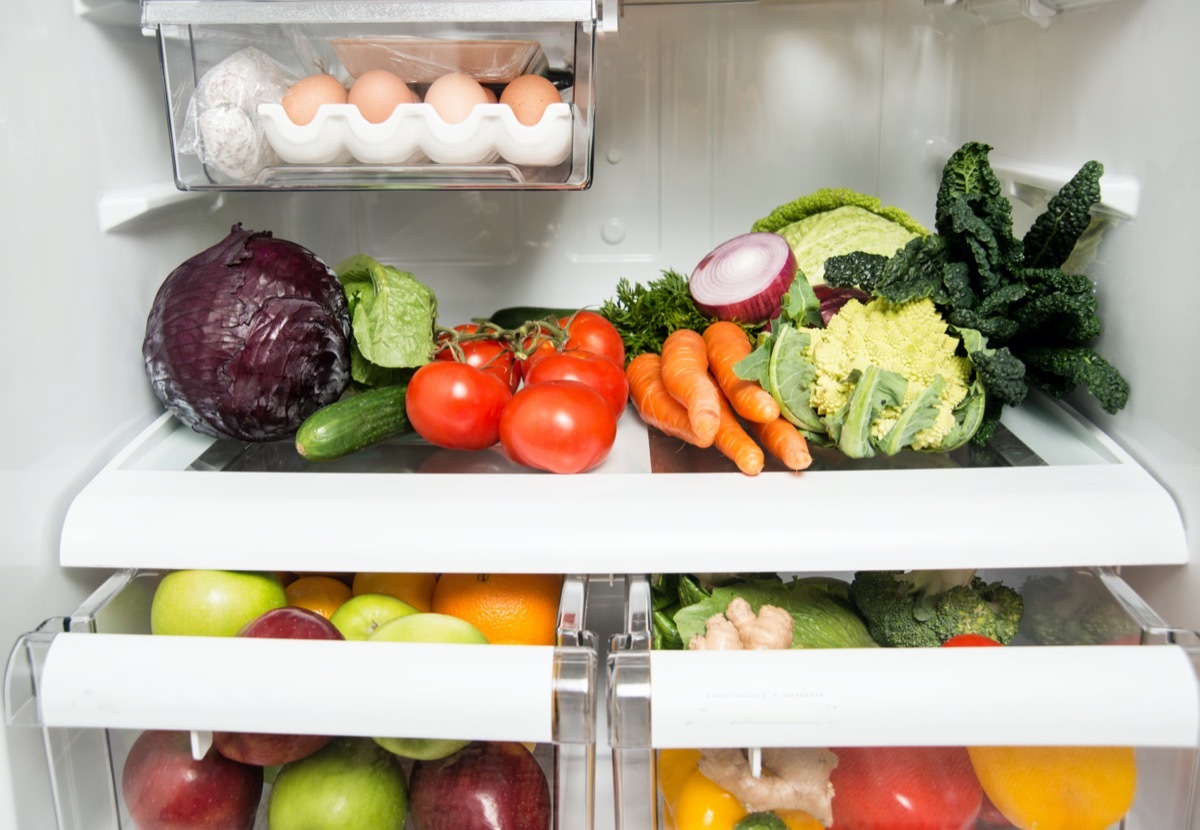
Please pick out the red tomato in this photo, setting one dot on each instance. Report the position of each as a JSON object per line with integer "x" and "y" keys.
{"x": 456, "y": 406}
{"x": 463, "y": 328}
{"x": 489, "y": 355}
{"x": 905, "y": 788}
{"x": 536, "y": 347}
{"x": 596, "y": 371}
{"x": 562, "y": 426}
{"x": 969, "y": 640}
{"x": 591, "y": 332}
{"x": 1124, "y": 640}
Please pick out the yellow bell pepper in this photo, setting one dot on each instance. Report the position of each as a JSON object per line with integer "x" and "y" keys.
{"x": 1058, "y": 788}
{"x": 799, "y": 820}
{"x": 691, "y": 801}
{"x": 673, "y": 766}
{"x": 703, "y": 805}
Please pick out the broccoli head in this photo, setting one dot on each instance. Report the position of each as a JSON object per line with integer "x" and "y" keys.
{"x": 926, "y": 608}
{"x": 1073, "y": 610}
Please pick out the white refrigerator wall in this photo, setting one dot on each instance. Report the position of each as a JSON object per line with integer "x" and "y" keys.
{"x": 82, "y": 129}
{"x": 1107, "y": 83}
{"x": 708, "y": 116}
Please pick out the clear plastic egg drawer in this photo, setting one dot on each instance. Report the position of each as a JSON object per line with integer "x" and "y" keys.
{"x": 1086, "y": 718}
{"x": 112, "y": 699}
{"x": 305, "y": 95}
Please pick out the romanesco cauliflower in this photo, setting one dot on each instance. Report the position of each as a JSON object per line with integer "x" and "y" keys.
{"x": 910, "y": 339}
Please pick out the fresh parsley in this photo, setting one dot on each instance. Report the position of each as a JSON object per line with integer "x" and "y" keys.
{"x": 646, "y": 314}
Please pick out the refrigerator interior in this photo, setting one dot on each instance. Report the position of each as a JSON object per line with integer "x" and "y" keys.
{"x": 707, "y": 116}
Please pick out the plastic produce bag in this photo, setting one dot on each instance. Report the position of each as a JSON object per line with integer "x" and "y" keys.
{"x": 222, "y": 125}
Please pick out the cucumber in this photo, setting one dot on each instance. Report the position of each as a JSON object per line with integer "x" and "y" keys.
{"x": 514, "y": 316}
{"x": 354, "y": 423}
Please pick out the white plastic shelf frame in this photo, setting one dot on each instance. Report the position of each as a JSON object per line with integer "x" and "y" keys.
{"x": 1049, "y": 490}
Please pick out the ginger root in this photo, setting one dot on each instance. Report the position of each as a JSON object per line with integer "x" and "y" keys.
{"x": 791, "y": 779}
{"x": 740, "y": 628}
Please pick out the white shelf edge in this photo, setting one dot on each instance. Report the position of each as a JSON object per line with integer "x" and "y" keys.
{"x": 1041, "y": 12}
{"x": 175, "y": 12}
{"x": 119, "y": 209}
{"x": 1037, "y": 695}
{"x": 115, "y": 12}
{"x": 421, "y": 690}
{"x": 128, "y": 516}
{"x": 1119, "y": 195}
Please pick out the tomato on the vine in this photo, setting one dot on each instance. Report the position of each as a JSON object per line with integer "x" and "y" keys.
{"x": 597, "y": 371}
{"x": 562, "y": 426}
{"x": 589, "y": 331}
{"x": 493, "y": 356}
{"x": 905, "y": 788}
{"x": 535, "y": 347}
{"x": 456, "y": 406}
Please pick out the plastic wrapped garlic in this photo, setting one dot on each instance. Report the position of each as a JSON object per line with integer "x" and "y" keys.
{"x": 222, "y": 125}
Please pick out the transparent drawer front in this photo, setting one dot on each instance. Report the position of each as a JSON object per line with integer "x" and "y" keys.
{"x": 1089, "y": 714}
{"x": 313, "y": 104}
{"x": 115, "y": 703}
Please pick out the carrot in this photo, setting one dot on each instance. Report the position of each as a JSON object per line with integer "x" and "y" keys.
{"x": 726, "y": 344}
{"x": 685, "y": 374}
{"x": 782, "y": 440}
{"x": 735, "y": 443}
{"x": 655, "y": 404}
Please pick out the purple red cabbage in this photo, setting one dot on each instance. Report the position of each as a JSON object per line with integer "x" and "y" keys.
{"x": 248, "y": 338}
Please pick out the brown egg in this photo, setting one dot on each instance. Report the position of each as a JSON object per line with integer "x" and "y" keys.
{"x": 377, "y": 93}
{"x": 453, "y": 96}
{"x": 529, "y": 95}
{"x": 303, "y": 98}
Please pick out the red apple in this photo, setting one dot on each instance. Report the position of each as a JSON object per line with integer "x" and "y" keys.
{"x": 262, "y": 749}
{"x": 291, "y": 623}
{"x": 166, "y": 789}
{"x": 487, "y": 785}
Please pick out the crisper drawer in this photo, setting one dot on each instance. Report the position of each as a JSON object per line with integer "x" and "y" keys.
{"x": 320, "y": 95}
{"x": 1090, "y": 713}
{"x": 98, "y": 683}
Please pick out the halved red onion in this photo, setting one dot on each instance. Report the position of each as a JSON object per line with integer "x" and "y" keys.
{"x": 744, "y": 279}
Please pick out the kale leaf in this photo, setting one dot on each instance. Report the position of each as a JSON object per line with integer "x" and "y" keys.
{"x": 1053, "y": 235}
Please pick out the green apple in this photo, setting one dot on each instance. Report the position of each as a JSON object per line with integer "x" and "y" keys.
{"x": 426, "y": 627}
{"x": 350, "y": 784}
{"x": 359, "y": 616}
{"x": 213, "y": 603}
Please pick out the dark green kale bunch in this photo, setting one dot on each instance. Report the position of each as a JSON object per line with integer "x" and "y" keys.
{"x": 1031, "y": 322}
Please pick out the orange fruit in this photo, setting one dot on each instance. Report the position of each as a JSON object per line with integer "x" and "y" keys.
{"x": 507, "y": 608}
{"x": 415, "y": 589}
{"x": 341, "y": 576}
{"x": 319, "y": 593}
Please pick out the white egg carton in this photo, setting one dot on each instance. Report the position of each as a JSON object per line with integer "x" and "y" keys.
{"x": 414, "y": 133}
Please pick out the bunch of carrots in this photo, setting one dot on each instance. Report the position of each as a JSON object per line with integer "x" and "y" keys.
{"x": 690, "y": 392}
